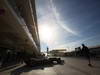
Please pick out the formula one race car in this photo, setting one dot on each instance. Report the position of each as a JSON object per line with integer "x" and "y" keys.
{"x": 44, "y": 61}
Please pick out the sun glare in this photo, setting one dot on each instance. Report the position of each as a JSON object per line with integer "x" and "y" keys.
{"x": 46, "y": 33}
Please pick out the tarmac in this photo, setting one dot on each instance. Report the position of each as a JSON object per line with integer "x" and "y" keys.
{"x": 72, "y": 66}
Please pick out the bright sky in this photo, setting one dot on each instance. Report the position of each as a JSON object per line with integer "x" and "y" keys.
{"x": 68, "y": 23}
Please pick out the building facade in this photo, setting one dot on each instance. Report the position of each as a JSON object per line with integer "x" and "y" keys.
{"x": 18, "y": 26}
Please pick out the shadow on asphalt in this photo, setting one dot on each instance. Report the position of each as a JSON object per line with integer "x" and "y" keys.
{"x": 27, "y": 68}
{"x": 96, "y": 66}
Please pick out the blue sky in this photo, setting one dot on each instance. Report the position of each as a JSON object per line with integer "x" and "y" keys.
{"x": 73, "y": 22}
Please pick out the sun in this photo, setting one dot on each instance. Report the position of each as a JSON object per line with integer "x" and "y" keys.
{"x": 46, "y": 33}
